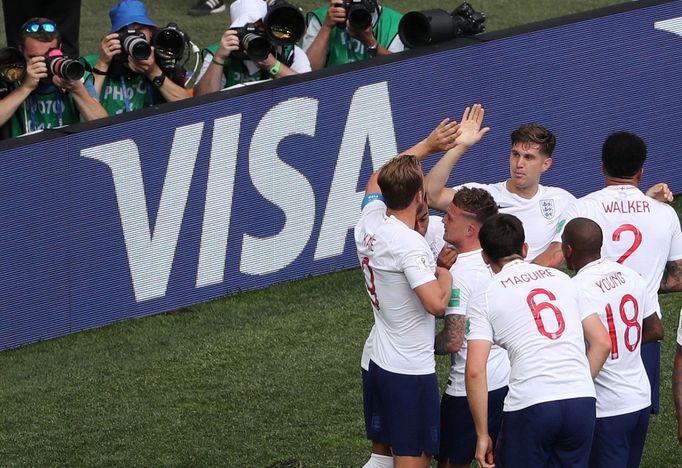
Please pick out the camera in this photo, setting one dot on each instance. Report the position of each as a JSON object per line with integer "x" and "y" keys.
{"x": 12, "y": 65}
{"x": 134, "y": 43}
{"x": 253, "y": 41}
{"x": 169, "y": 42}
{"x": 420, "y": 28}
{"x": 358, "y": 13}
{"x": 284, "y": 23}
{"x": 62, "y": 66}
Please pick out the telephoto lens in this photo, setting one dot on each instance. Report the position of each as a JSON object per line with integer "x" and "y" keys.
{"x": 62, "y": 66}
{"x": 135, "y": 44}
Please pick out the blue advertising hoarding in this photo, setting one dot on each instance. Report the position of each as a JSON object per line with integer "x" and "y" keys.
{"x": 153, "y": 211}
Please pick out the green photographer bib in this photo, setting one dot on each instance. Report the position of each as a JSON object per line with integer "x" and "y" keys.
{"x": 125, "y": 93}
{"x": 236, "y": 72}
{"x": 345, "y": 49}
{"x": 41, "y": 111}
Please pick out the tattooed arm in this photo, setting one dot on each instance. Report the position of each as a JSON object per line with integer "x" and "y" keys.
{"x": 677, "y": 390}
{"x": 451, "y": 337}
{"x": 672, "y": 277}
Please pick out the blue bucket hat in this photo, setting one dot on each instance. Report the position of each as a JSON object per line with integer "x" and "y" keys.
{"x": 128, "y": 12}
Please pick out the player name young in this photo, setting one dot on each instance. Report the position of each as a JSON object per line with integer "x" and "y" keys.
{"x": 527, "y": 277}
{"x": 623, "y": 206}
{"x": 607, "y": 283}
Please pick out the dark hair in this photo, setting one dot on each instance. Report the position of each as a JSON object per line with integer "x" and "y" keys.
{"x": 623, "y": 154}
{"x": 40, "y": 35}
{"x": 532, "y": 133}
{"x": 584, "y": 236}
{"x": 475, "y": 201}
{"x": 400, "y": 179}
{"x": 502, "y": 236}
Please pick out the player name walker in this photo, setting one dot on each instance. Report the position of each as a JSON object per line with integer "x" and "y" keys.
{"x": 626, "y": 206}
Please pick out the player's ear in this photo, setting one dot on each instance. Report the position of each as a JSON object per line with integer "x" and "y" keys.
{"x": 524, "y": 250}
{"x": 546, "y": 164}
{"x": 639, "y": 174}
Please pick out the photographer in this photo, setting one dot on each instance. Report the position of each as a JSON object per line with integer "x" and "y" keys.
{"x": 44, "y": 99}
{"x": 336, "y": 37}
{"x": 123, "y": 82}
{"x": 226, "y": 63}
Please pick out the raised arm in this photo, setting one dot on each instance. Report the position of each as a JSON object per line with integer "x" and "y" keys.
{"x": 211, "y": 79}
{"x": 319, "y": 48}
{"x": 441, "y": 138}
{"x": 469, "y": 133}
{"x": 35, "y": 70}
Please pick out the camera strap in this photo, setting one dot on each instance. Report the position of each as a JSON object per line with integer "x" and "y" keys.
{"x": 126, "y": 99}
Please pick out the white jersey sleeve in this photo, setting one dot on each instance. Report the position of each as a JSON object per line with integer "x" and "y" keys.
{"x": 679, "y": 330}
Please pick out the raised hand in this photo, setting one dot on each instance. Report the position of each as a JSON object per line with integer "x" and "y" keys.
{"x": 442, "y": 138}
{"x": 470, "y": 131}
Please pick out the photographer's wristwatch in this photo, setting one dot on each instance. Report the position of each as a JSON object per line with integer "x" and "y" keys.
{"x": 372, "y": 50}
{"x": 157, "y": 81}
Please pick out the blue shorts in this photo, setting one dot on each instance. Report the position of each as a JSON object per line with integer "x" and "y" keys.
{"x": 619, "y": 440}
{"x": 404, "y": 411}
{"x": 457, "y": 430}
{"x": 651, "y": 357}
{"x": 554, "y": 433}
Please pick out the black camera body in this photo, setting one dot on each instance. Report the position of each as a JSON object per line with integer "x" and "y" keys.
{"x": 253, "y": 42}
{"x": 134, "y": 43}
{"x": 62, "y": 66}
{"x": 359, "y": 13}
{"x": 468, "y": 21}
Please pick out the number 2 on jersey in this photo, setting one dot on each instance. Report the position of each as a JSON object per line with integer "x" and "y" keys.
{"x": 537, "y": 308}
{"x": 635, "y": 242}
{"x": 629, "y": 322}
{"x": 369, "y": 282}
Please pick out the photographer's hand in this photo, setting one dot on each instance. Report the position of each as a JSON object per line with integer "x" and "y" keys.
{"x": 109, "y": 47}
{"x": 229, "y": 42}
{"x": 336, "y": 14}
{"x": 36, "y": 69}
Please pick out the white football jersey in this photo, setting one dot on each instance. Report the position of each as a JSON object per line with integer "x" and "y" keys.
{"x": 395, "y": 260}
{"x": 533, "y": 313}
{"x": 621, "y": 298}
{"x": 434, "y": 237}
{"x": 639, "y": 231}
{"x": 540, "y": 215}
{"x": 469, "y": 273}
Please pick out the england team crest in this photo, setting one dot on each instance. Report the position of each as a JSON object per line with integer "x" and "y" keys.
{"x": 547, "y": 208}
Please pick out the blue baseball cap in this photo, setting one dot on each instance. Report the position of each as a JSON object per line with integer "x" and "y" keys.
{"x": 129, "y": 12}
